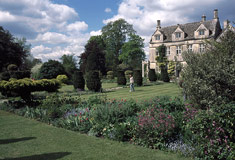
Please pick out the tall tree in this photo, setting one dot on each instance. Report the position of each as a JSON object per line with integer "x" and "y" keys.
{"x": 70, "y": 64}
{"x": 94, "y": 56}
{"x": 132, "y": 52}
{"x": 11, "y": 52}
{"x": 115, "y": 35}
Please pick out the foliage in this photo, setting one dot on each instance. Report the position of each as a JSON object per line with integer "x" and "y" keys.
{"x": 212, "y": 132}
{"x": 115, "y": 35}
{"x": 152, "y": 75}
{"x": 35, "y": 71}
{"x": 138, "y": 77}
{"x": 51, "y": 69}
{"x": 94, "y": 56}
{"x": 24, "y": 87}
{"x": 121, "y": 79}
{"x": 155, "y": 127}
{"x": 162, "y": 63}
{"x": 11, "y": 51}
{"x": 208, "y": 78}
{"x": 14, "y": 74}
{"x": 171, "y": 68}
{"x": 12, "y": 67}
{"x": 128, "y": 73}
{"x": 69, "y": 63}
{"x": 110, "y": 75}
{"x": 132, "y": 52}
{"x": 78, "y": 80}
{"x": 93, "y": 82}
{"x": 62, "y": 78}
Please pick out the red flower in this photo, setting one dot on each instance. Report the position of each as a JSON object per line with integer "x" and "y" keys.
{"x": 75, "y": 115}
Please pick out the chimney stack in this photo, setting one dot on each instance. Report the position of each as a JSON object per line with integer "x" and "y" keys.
{"x": 203, "y": 18}
{"x": 226, "y": 24}
{"x": 216, "y": 14}
{"x": 158, "y": 24}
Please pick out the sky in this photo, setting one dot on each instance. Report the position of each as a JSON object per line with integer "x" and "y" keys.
{"x": 58, "y": 27}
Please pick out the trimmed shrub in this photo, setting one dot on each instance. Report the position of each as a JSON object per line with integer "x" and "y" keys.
{"x": 164, "y": 74}
{"x": 93, "y": 81}
{"x": 110, "y": 75}
{"x": 138, "y": 78}
{"x": 12, "y": 67}
{"x": 78, "y": 80}
{"x": 121, "y": 79}
{"x": 62, "y": 78}
{"x": 15, "y": 74}
{"x": 152, "y": 75}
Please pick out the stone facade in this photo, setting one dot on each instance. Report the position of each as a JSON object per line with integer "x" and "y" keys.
{"x": 184, "y": 37}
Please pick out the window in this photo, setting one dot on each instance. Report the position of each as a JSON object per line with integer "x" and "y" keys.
{"x": 168, "y": 51}
{"x": 177, "y": 35}
{"x": 157, "y": 37}
{"x": 190, "y": 48}
{"x": 201, "y": 48}
{"x": 201, "y": 32}
{"x": 157, "y": 54}
{"x": 178, "y": 50}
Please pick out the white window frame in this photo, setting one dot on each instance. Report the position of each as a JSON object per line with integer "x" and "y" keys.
{"x": 168, "y": 50}
{"x": 157, "y": 37}
{"x": 190, "y": 48}
{"x": 201, "y": 48}
{"x": 178, "y": 50}
{"x": 201, "y": 32}
{"x": 178, "y": 35}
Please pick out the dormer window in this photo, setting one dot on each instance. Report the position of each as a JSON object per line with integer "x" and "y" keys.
{"x": 201, "y": 32}
{"x": 157, "y": 37}
{"x": 177, "y": 35}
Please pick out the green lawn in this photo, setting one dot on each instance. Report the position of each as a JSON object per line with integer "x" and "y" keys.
{"x": 25, "y": 139}
{"x": 141, "y": 93}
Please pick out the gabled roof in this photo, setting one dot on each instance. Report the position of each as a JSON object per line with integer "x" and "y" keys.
{"x": 190, "y": 28}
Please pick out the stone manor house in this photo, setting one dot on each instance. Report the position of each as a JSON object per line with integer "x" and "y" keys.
{"x": 184, "y": 37}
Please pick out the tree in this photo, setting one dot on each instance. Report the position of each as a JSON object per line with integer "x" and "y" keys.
{"x": 132, "y": 52}
{"x": 208, "y": 78}
{"x": 94, "y": 56}
{"x": 11, "y": 52}
{"x": 69, "y": 63}
{"x": 115, "y": 35}
{"x": 51, "y": 69}
{"x": 78, "y": 80}
{"x": 162, "y": 63}
{"x": 152, "y": 75}
{"x": 138, "y": 77}
{"x": 93, "y": 81}
{"x": 121, "y": 79}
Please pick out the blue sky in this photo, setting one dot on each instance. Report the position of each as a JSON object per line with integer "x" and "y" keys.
{"x": 57, "y": 27}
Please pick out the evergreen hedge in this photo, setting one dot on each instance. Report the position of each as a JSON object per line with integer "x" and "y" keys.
{"x": 121, "y": 79}
{"x": 152, "y": 75}
{"x": 78, "y": 80}
{"x": 93, "y": 82}
{"x": 138, "y": 77}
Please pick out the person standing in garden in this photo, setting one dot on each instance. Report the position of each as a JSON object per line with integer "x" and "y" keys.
{"x": 131, "y": 83}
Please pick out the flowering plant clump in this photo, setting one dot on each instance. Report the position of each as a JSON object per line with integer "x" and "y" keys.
{"x": 78, "y": 119}
{"x": 155, "y": 127}
{"x": 212, "y": 134}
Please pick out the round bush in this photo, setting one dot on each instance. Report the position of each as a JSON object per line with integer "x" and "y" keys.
{"x": 138, "y": 78}
{"x": 121, "y": 79}
{"x": 93, "y": 81}
{"x": 62, "y": 78}
{"x": 78, "y": 80}
{"x": 110, "y": 75}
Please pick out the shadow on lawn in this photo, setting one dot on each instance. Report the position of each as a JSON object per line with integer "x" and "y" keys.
{"x": 46, "y": 156}
{"x": 6, "y": 141}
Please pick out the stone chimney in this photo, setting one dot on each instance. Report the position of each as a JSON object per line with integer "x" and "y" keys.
{"x": 203, "y": 18}
{"x": 226, "y": 24}
{"x": 158, "y": 24}
{"x": 216, "y": 14}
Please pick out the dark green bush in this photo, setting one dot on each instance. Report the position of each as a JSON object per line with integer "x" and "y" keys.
{"x": 15, "y": 74}
{"x": 128, "y": 73}
{"x": 164, "y": 74}
{"x": 138, "y": 77}
{"x": 12, "y": 67}
{"x": 152, "y": 75}
{"x": 93, "y": 81}
{"x": 51, "y": 69}
{"x": 78, "y": 80}
{"x": 121, "y": 79}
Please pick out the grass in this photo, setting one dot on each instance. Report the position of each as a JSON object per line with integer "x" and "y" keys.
{"x": 25, "y": 139}
{"x": 141, "y": 93}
